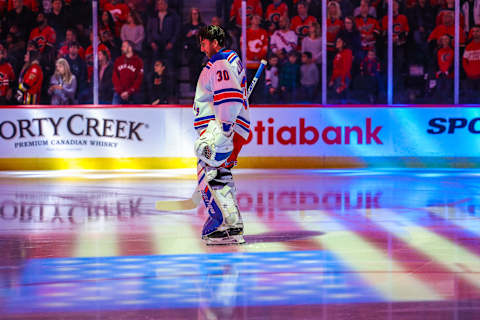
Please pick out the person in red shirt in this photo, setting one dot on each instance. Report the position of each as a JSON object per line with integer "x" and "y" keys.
{"x": 275, "y": 10}
{"x": 369, "y": 29}
{"x": 253, "y": 7}
{"x": 257, "y": 48}
{"x": 334, "y": 25}
{"x": 127, "y": 76}
{"x": 301, "y": 22}
{"x": 31, "y": 79}
{"x": 444, "y": 71}
{"x": 342, "y": 65}
{"x": 43, "y": 34}
{"x": 7, "y": 76}
{"x": 471, "y": 65}
{"x": 447, "y": 28}
{"x": 32, "y": 5}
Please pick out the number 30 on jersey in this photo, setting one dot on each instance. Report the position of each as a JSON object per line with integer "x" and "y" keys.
{"x": 222, "y": 75}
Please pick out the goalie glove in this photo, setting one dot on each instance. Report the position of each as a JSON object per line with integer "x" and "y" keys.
{"x": 213, "y": 146}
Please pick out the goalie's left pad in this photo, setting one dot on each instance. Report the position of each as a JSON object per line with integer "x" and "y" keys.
{"x": 214, "y": 147}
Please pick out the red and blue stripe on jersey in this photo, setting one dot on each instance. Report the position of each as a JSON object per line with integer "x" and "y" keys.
{"x": 227, "y": 95}
{"x": 202, "y": 122}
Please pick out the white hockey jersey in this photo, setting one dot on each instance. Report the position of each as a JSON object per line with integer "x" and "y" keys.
{"x": 221, "y": 94}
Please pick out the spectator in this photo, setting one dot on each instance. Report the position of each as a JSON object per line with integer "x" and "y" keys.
{"x": 444, "y": 71}
{"x": 471, "y": 11}
{"x": 79, "y": 69}
{"x": 313, "y": 43}
{"x": 272, "y": 79}
{"x": 63, "y": 84}
{"x": 89, "y": 57}
{"x": 105, "y": 74}
{"x": 106, "y": 23}
{"x": 127, "y": 76}
{"x": 447, "y": 28}
{"x": 253, "y": 7}
{"x": 365, "y": 3}
{"x": 369, "y": 29}
{"x": 159, "y": 88}
{"x": 275, "y": 10}
{"x": 163, "y": 32}
{"x": 257, "y": 48}
{"x": 32, "y": 5}
{"x": 7, "y": 77}
{"x": 352, "y": 39}
{"x": 422, "y": 23}
{"x": 30, "y": 80}
{"x": 449, "y": 9}
{"x": 284, "y": 38}
{"x": 112, "y": 43}
{"x": 133, "y": 30}
{"x": 46, "y": 6}
{"x": 70, "y": 37}
{"x": 370, "y": 81}
{"x": 314, "y": 7}
{"x": 309, "y": 77}
{"x": 43, "y": 34}
{"x": 289, "y": 78}
{"x": 16, "y": 48}
{"x": 301, "y": 21}
{"x": 342, "y": 64}
{"x": 471, "y": 65}
{"x": 58, "y": 20}
{"x": 334, "y": 25}
{"x": 119, "y": 12}
{"x": 191, "y": 45}
{"x": 21, "y": 17}
{"x": 223, "y": 8}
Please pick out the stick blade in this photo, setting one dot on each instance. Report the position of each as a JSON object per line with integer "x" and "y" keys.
{"x": 175, "y": 205}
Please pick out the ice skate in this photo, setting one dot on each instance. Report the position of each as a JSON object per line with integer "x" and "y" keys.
{"x": 229, "y": 236}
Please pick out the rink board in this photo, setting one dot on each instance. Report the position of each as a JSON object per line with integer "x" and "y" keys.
{"x": 284, "y": 136}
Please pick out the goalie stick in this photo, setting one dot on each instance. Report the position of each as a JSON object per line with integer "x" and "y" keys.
{"x": 192, "y": 203}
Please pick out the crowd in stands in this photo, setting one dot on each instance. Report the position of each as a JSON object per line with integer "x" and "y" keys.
{"x": 46, "y": 53}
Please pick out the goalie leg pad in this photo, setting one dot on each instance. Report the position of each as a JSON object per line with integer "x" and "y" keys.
{"x": 218, "y": 195}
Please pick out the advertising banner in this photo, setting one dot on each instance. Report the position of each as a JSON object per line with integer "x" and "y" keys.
{"x": 288, "y": 132}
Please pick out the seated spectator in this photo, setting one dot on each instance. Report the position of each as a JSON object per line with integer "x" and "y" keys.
{"x": 133, "y": 30}
{"x": 444, "y": 71}
{"x": 30, "y": 80}
{"x": 274, "y": 11}
{"x": 284, "y": 38}
{"x": 272, "y": 80}
{"x": 105, "y": 74}
{"x": 365, "y": 5}
{"x": 7, "y": 77}
{"x": 334, "y": 24}
{"x": 290, "y": 78}
{"x": 309, "y": 78}
{"x": 159, "y": 88}
{"x": 342, "y": 65}
{"x": 313, "y": 43}
{"x": 119, "y": 12}
{"x": 471, "y": 65}
{"x": 43, "y": 34}
{"x": 63, "y": 84}
{"x": 191, "y": 45}
{"x": 127, "y": 76}
{"x": 301, "y": 22}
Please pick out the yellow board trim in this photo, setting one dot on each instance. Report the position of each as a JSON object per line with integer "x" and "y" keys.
{"x": 21, "y": 164}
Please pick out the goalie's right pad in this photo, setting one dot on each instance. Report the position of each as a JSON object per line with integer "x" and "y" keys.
{"x": 213, "y": 147}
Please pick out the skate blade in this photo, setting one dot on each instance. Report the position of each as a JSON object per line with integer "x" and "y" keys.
{"x": 237, "y": 239}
